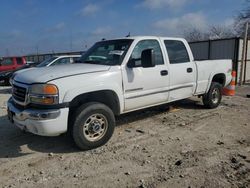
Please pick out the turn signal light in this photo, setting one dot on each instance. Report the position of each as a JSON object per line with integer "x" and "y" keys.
{"x": 50, "y": 89}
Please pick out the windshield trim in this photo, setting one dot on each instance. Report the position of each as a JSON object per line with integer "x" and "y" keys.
{"x": 48, "y": 62}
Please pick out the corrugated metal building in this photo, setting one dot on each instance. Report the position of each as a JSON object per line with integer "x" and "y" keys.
{"x": 224, "y": 49}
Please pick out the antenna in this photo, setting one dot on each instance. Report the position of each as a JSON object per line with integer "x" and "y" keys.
{"x": 128, "y": 35}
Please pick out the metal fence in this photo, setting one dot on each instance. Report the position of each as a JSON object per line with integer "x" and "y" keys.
{"x": 217, "y": 49}
{"x": 230, "y": 48}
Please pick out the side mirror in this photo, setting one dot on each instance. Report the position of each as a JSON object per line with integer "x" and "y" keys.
{"x": 131, "y": 63}
{"x": 148, "y": 58}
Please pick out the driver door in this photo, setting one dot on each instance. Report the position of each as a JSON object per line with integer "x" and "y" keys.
{"x": 145, "y": 86}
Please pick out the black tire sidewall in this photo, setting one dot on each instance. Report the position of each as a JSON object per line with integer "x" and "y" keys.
{"x": 207, "y": 98}
{"x": 81, "y": 116}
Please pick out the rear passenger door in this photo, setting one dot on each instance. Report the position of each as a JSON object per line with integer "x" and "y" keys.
{"x": 182, "y": 70}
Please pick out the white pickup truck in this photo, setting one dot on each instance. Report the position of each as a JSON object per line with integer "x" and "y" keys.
{"x": 112, "y": 78}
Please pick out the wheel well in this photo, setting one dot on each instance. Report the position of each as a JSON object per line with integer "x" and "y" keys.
{"x": 219, "y": 78}
{"x": 106, "y": 97}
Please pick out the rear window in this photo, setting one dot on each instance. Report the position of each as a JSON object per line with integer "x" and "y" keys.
{"x": 19, "y": 60}
{"x": 177, "y": 51}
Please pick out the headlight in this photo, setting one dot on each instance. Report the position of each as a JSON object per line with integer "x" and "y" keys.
{"x": 46, "y": 94}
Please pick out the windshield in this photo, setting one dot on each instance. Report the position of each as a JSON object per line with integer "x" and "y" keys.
{"x": 6, "y": 62}
{"x": 109, "y": 52}
{"x": 46, "y": 62}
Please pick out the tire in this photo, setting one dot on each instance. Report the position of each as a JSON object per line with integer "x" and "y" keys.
{"x": 93, "y": 125}
{"x": 212, "y": 99}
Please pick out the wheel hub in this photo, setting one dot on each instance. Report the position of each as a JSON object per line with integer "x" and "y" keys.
{"x": 215, "y": 96}
{"x": 95, "y": 127}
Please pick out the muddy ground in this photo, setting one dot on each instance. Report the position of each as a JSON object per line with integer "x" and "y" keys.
{"x": 187, "y": 146}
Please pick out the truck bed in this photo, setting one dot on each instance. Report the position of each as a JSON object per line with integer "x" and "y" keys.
{"x": 207, "y": 69}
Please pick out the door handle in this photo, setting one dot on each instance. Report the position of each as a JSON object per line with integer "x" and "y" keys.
{"x": 189, "y": 70}
{"x": 164, "y": 72}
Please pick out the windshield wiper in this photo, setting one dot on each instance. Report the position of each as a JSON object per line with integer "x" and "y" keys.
{"x": 96, "y": 62}
{"x": 92, "y": 62}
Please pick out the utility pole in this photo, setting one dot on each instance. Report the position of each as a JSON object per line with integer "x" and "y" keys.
{"x": 70, "y": 40}
{"x": 7, "y": 53}
{"x": 245, "y": 63}
{"x": 243, "y": 57}
{"x": 37, "y": 49}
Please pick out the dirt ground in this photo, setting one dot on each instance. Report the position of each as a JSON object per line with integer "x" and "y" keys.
{"x": 186, "y": 146}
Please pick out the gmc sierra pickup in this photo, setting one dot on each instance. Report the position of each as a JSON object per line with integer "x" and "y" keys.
{"x": 113, "y": 77}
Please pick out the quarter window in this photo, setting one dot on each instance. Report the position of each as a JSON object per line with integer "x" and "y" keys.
{"x": 177, "y": 51}
{"x": 147, "y": 44}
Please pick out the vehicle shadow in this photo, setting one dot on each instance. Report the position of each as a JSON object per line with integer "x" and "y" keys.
{"x": 153, "y": 111}
{"x": 16, "y": 143}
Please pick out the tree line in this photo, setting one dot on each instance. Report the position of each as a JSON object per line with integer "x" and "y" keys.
{"x": 237, "y": 29}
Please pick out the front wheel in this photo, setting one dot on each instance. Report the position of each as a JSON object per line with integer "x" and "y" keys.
{"x": 212, "y": 99}
{"x": 93, "y": 126}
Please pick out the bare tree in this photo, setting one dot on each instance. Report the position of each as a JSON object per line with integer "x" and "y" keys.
{"x": 195, "y": 34}
{"x": 242, "y": 18}
{"x": 220, "y": 32}
{"x": 213, "y": 32}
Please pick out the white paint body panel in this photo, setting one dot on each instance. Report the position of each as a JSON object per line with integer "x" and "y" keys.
{"x": 207, "y": 70}
{"x": 136, "y": 88}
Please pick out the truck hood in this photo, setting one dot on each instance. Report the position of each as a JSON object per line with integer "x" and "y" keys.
{"x": 45, "y": 74}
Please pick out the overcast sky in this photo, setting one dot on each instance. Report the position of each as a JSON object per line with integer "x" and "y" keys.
{"x": 64, "y": 25}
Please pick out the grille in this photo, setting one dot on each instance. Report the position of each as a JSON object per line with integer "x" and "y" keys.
{"x": 19, "y": 93}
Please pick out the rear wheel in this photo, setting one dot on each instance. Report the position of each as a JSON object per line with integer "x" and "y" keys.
{"x": 93, "y": 126}
{"x": 212, "y": 99}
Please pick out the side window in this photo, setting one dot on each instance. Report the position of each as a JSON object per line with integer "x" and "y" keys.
{"x": 146, "y": 44}
{"x": 75, "y": 59}
{"x": 177, "y": 51}
{"x": 61, "y": 61}
{"x": 19, "y": 61}
{"x": 7, "y": 62}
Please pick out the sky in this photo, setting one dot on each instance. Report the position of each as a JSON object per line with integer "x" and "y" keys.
{"x": 45, "y": 26}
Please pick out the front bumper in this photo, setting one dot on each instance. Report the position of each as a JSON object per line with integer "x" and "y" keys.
{"x": 44, "y": 122}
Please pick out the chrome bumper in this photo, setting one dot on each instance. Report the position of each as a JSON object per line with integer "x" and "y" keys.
{"x": 33, "y": 114}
